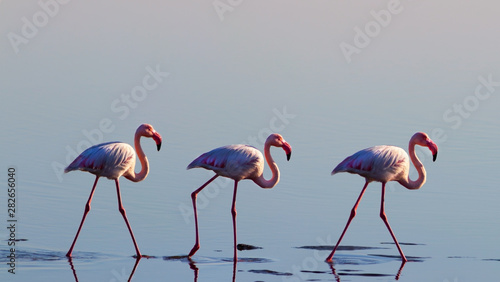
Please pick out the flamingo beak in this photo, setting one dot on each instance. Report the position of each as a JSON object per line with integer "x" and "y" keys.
{"x": 288, "y": 150}
{"x": 157, "y": 138}
{"x": 434, "y": 149}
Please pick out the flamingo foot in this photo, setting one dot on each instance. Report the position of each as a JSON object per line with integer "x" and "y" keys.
{"x": 194, "y": 250}
{"x": 139, "y": 256}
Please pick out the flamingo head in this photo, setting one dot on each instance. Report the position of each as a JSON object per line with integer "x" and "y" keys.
{"x": 277, "y": 140}
{"x": 147, "y": 130}
{"x": 422, "y": 139}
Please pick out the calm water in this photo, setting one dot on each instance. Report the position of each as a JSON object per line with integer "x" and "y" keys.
{"x": 93, "y": 72}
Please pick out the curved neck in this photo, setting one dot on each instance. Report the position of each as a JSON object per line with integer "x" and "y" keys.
{"x": 142, "y": 158}
{"x": 274, "y": 169}
{"x": 408, "y": 183}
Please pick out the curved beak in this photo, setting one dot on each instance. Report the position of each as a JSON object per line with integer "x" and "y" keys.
{"x": 288, "y": 150}
{"x": 434, "y": 149}
{"x": 157, "y": 138}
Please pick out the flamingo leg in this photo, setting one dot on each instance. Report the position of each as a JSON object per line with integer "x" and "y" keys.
{"x": 86, "y": 211}
{"x": 233, "y": 213}
{"x": 122, "y": 211}
{"x": 193, "y": 198}
{"x": 384, "y": 218}
{"x": 353, "y": 214}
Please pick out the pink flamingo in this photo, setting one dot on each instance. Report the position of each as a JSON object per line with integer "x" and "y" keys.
{"x": 112, "y": 160}
{"x": 383, "y": 164}
{"x": 238, "y": 162}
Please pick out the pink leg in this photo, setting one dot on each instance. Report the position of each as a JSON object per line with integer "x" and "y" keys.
{"x": 353, "y": 214}
{"x": 193, "y": 198}
{"x": 122, "y": 211}
{"x": 87, "y": 209}
{"x": 384, "y": 218}
{"x": 233, "y": 213}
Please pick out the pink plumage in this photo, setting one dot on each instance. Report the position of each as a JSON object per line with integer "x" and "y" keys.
{"x": 233, "y": 161}
{"x": 379, "y": 163}
{"x": 110, "y": 160}
{"x": 385, "y": 163}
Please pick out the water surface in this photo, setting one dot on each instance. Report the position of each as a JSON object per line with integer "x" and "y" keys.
{"x": 234, "y": 79}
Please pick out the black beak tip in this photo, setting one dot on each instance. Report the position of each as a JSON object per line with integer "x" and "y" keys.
{"x": 288, "y": 156}
{"x": 434, "y": 157}
{"x": 158, "y": 146}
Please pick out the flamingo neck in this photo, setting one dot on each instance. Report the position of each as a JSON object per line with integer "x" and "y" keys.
{"x": 414, "y": 184}
{"x": 141, "y": 175}
{"x": 274, "y": 169}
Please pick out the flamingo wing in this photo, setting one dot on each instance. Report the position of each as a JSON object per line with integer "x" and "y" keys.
{"x": 380, "y": 163}
{"x": 233, "y": 161}
{"x": 110, "y": 160}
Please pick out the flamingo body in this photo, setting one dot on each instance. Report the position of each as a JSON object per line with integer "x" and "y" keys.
{"x": 379, "y": 163}
{"x": 233, "y": 161}
{"x": 383, "y": 164}
{"x": 110, "y": 160}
